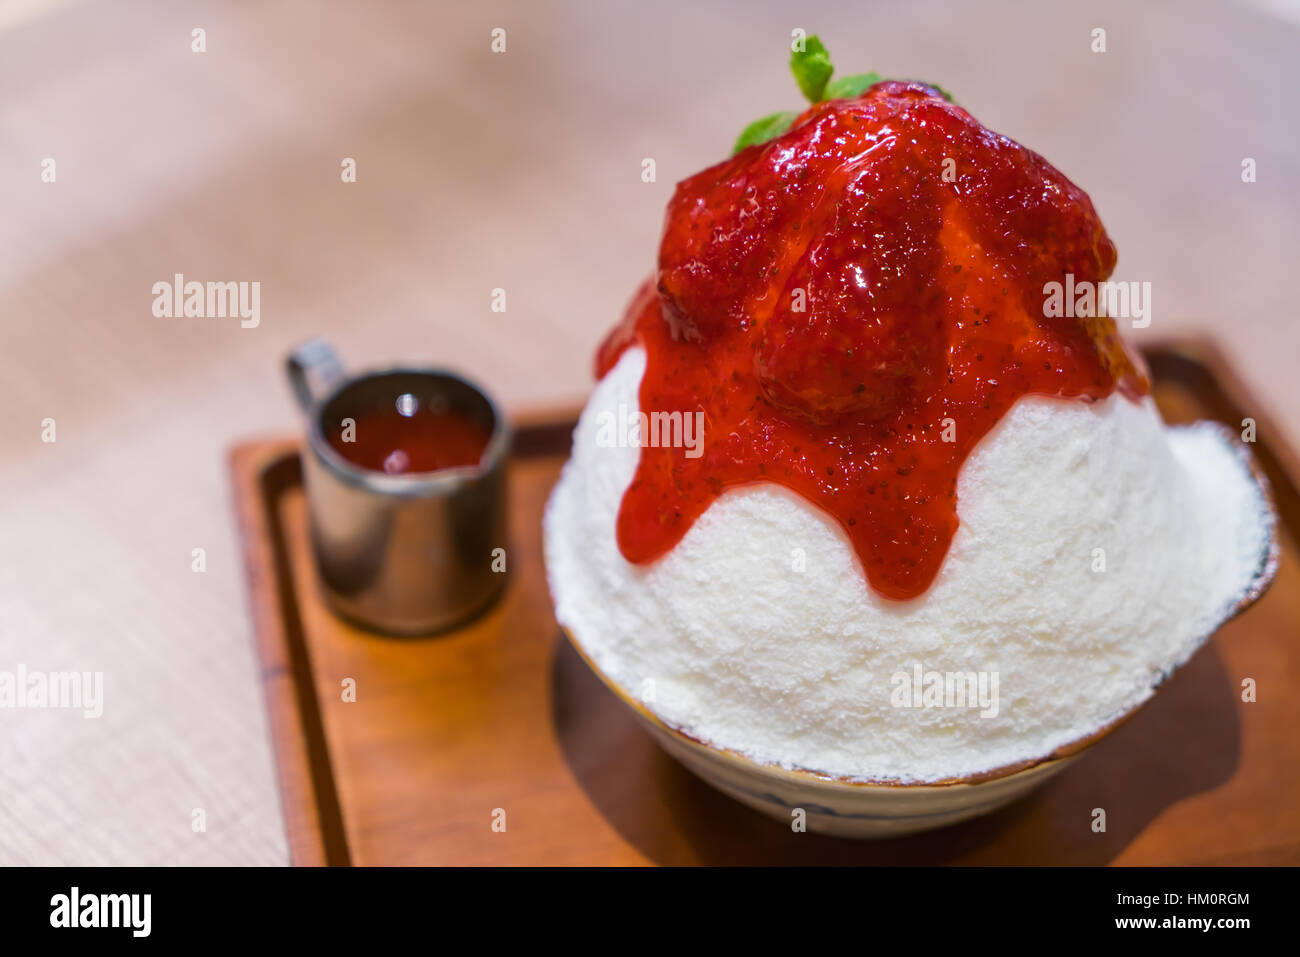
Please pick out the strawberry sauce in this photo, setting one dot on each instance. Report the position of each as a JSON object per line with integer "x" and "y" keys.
{"x": 854, "y": 305}
{"x": 407, "y": 436}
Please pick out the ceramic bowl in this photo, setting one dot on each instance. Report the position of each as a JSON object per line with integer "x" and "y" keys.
{"x": 845, "y": 807}
{"x": 840, "y": 807}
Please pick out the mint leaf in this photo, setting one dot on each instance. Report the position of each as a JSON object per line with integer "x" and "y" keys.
{"x": 847, "y": 87}
{"x": 935, "y": 86}
{"x": 812, "y": 68}
{"x": 946, "y": 95}
{"x": 760, "y": 131}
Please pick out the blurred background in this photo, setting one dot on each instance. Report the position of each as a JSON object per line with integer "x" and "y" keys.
{"x": 474, "y": 171}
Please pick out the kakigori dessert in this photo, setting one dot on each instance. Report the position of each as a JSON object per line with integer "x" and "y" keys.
{"x": 842, "y": 442}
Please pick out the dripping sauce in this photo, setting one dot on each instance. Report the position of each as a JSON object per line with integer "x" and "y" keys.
{"x": 853, "y": 306}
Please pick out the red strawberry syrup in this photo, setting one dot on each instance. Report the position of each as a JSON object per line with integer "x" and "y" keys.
{"x": 853, "y": 306}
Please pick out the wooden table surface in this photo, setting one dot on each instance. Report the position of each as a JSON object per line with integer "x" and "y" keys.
{"x": 475, "y": 171}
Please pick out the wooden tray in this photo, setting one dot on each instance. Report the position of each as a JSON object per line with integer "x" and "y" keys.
{"x": 502, "y": 714}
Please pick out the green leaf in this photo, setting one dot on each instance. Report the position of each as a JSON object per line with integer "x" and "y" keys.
{"x": 946, "y": 95}
{"x": 760, "y": 131}
{"x": 812, "y": 68}
{"x": 847, "y": 87}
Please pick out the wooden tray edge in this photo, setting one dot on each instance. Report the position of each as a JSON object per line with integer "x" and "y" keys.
{"x": 1199, "y": 362}
{"x": 291, "y": 730}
